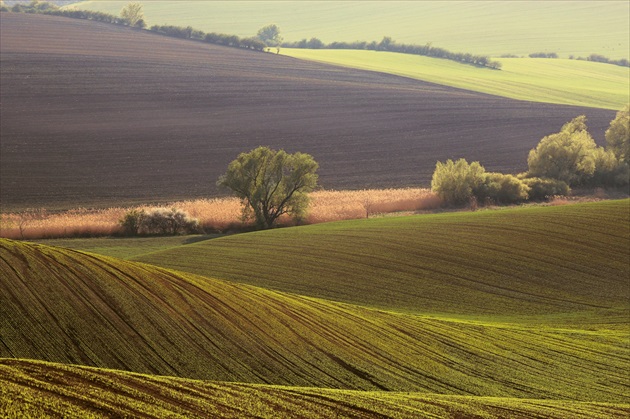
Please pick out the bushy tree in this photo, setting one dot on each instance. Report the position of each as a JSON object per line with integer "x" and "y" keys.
{"x": 541, "y": 189}
{"x": 609, "y": 171}
{"x": 501, "y": 189}
{"x": 270, "y": 35}
{"x": 133, "y": 14}
{"x": 131, "y": 222}
{"x": 271, "y": 183}
{"x": 455, "y": 182}
{"x": 618, "y": 135}
{"x": 566, "y": 155}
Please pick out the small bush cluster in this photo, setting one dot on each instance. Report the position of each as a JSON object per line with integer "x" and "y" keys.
{"x": 543, "y": 55}
{"x": 158, "y": 221}
{"x": 461, "y": 182}
{"x": 543, "y": 189}
{"x": 598, "y": 58}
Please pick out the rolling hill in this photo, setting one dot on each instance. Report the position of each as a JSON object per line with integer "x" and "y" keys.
{"x": 523, "y": 261}
{"x": 81, "y": 392}
{"x": 69, "y": 307}
{"x": 88, "y": 106}
{"x": 480, "y": 27}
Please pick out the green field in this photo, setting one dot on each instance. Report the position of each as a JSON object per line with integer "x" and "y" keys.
{"x": 80, "y": 392}
{"x": 483, "y": 313}
{"x": 441, "y": 263}
{"x": 480, "y": 27}
{"x": 128, "y": 247}
{"x": 561, "y": 81}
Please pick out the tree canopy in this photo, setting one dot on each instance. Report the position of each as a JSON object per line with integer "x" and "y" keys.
{"x": 133, "y": 13}
{"x": 566, "y": 155}
{"x": 270, "y": 35}
{"x": 618, "y": 135}
{"x": 271, "y": 183}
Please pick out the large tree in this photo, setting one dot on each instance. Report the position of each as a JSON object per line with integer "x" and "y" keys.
{"x": 618, "y": 135}
{"x": 567, "y": 155}
{"x": 271, "y": 183}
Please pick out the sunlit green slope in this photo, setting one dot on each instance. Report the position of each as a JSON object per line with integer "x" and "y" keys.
{"x": 561, "y": 81}
{"x": 481, "y": 27}
{"x": 64, "y": 306}
{"x": 530, "y": 261}
{"x": 39, "y": 389}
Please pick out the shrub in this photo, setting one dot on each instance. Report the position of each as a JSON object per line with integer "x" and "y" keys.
{"x": 618, "y": 135}
{"x": 609, "y": 171}
{"x": 163, "y": 221}
{"x": 159, "y": 221}
{"x": 502, "y": 189}
{"x": 455, "y": 182}
{"x": 541, "y": 189}
{"x": 131, "y": 222}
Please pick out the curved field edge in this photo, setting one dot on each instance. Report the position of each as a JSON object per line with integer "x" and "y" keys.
{"x": 558, "y": 81}
{"x": 66, "y": 306}
{"x": 491, "y": 28}
{"x": 522, "y": 261}
{"x": 43, "y": 389}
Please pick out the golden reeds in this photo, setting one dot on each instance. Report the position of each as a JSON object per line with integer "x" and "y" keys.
{"x": 218, "y": 214}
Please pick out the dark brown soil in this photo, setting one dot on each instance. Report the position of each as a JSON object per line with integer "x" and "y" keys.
{"x": 99, "y": 115}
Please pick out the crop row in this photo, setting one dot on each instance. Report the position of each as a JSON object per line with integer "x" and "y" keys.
{"x": 39, "y": 389}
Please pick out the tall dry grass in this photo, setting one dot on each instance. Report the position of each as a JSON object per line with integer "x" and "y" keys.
{"x": 217, "y": 214}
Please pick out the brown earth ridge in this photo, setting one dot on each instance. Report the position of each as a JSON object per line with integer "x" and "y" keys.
{"x": 99, "y": 115}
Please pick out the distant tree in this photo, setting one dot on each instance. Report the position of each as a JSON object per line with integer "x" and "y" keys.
{"x": 618, "y": 135}
{"x": 270, "y": 35}
{"x": 315, "y": 43}
{"x": 385, "y": 43}
{"x": 271, "y": 183}
{"x": 133, "y": 14}
{"x": 455, "y": 182}
{"x": 566, "y": 155}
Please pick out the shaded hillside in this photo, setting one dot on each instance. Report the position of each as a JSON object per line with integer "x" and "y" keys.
{"x": 64, "y": 306}
{"x": 39, "y": 389}
{"x": 521, "y": 261}
{"x": 94, "y": 114}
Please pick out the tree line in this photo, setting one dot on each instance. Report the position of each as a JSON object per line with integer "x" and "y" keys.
{"x": 388, "y": 44}
{"x": 598, "y": 58}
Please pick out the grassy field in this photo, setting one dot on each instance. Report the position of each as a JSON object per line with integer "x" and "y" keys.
{"x": 481, "y": 27}
{"x": 561, "y": 81}
{"x": 113, "y": 314}
{"x": 439, "y": 263}
{"x": 41, "y": 389}
{"x": 463, "y": 312}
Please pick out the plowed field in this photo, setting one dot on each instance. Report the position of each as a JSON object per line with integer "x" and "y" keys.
{"x": 97, "y": 115}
